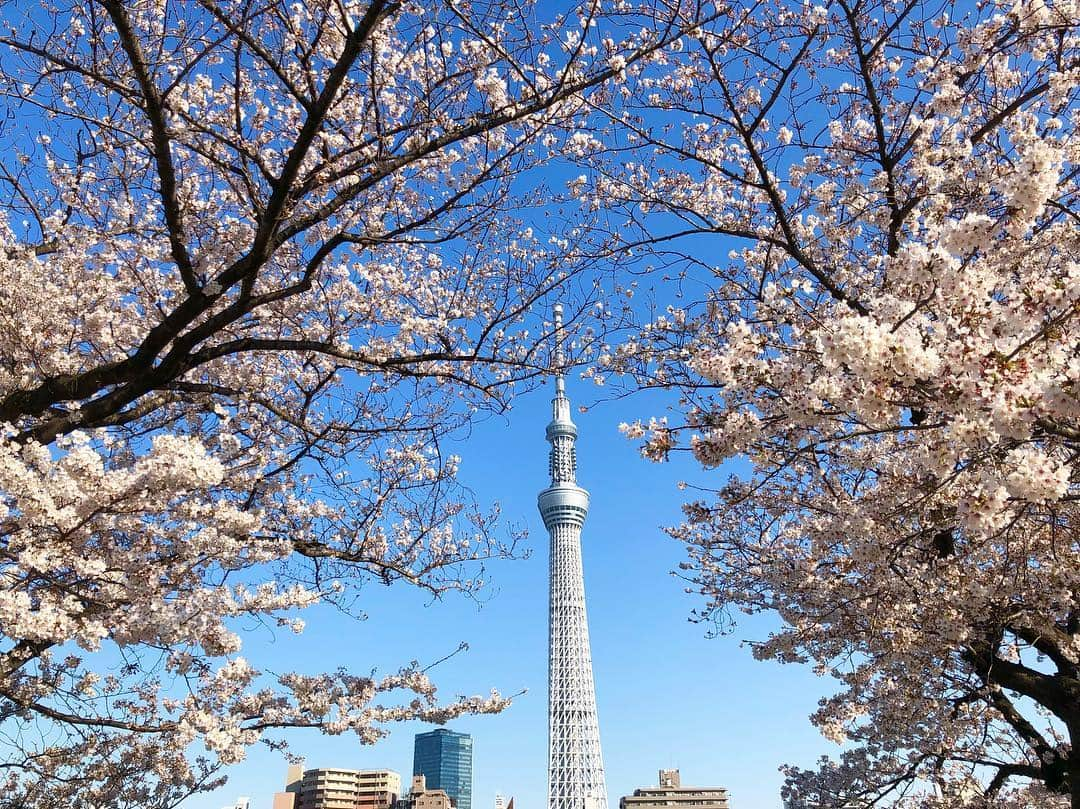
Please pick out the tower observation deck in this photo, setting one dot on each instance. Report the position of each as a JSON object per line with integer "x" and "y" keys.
{"x": 575, "y": 764}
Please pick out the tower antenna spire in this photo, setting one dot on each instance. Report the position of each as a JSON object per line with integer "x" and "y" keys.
{"x": 575, "y": 763}
{"x": 560, "y": 354}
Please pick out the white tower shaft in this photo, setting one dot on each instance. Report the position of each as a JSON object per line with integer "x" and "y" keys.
{"x": 575, "y": 764}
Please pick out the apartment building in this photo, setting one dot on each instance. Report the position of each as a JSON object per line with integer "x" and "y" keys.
{"x": 335, "y": 788}
{"x": 671, "y": 794}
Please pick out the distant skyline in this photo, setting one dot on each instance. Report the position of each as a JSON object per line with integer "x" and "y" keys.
{"x": 667, "y": 695}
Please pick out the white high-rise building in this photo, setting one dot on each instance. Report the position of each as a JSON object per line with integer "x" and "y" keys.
{"x": 575, "y": 764}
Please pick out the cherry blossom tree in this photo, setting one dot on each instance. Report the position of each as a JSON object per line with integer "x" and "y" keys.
{"x": 867, "y": 213}
{"x": 260, "y": 260}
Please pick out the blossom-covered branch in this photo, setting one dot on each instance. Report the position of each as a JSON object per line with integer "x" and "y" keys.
{"x": 881, "y": 201}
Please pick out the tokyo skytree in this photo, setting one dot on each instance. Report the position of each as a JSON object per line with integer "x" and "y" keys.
{"x": 575, "y": 766}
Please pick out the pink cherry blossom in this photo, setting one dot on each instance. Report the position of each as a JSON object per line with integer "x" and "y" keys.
{"x": 889, "y": 337}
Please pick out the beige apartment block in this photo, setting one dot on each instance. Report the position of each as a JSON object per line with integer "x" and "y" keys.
{"x": 671, "y": 794}
{"x": 331, "y": 788}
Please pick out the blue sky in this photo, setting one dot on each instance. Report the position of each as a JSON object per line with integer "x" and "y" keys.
{"x": 667, "y": 695}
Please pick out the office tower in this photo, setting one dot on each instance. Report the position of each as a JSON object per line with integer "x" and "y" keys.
{"x": 575, "y": 764}
{"x": 671, "y": 794}
{"x": 444, "y": 758}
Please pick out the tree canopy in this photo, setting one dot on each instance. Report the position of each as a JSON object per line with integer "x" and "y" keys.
{"x": 879, "y": 200}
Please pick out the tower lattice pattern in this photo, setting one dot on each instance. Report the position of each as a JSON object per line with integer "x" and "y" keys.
{"x": 575, "y": 764}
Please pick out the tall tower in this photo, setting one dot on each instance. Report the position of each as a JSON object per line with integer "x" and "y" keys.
{"x": 575, "y": 766}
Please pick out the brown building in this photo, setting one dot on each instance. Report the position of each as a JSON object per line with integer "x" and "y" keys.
{"x": 420, "y": 797}
{"x": 671, "y": 794}
{"x": 327, "y": 788}
{"x": 287, "y": 799}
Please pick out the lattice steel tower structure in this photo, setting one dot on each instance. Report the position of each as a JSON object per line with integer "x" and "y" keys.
{"x": 575, "y": 765}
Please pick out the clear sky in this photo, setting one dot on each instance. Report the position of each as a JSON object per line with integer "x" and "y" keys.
{"x": 667, "y": 695}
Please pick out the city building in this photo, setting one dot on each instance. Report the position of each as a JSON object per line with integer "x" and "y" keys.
{"x": 241, "y": 803}
{"x": 575, "y": 763}
{"x": 284, "y": 800}
{"x": 445, "y": 758}
{"x": 331, "y": 788}
{"x": 293, "y": 778}
{"x": 671, "y": 794}
{"x": 420, "y": 797}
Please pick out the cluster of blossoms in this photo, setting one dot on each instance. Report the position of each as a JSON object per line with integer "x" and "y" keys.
{"x": 893, "y": 347}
